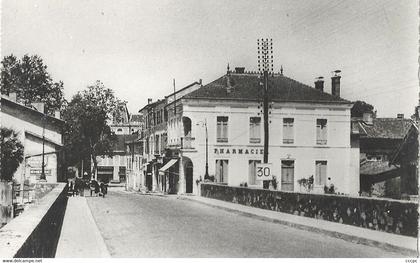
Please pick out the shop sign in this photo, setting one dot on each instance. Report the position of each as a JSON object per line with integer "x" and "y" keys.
{"x": 238, "y": 151}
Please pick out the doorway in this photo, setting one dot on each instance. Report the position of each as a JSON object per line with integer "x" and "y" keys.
{"x": 287, "y": 175}
{"x": 189, "y": 177}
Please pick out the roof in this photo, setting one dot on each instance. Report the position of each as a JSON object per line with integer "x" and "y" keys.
{"x": 184, "y": 88}
{"x": 375, "y": 167}
{"x": 386, "y": 128}
{"x": 5, "y": 100}
{"x": 247, "y": 87}
{"x": 151, "y": 105}
{"x": 119, "y": 145}
{"x": 136, "y": 118}
{"x": 408, "y": 148}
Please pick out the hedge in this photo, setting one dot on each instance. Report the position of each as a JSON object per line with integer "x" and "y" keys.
{"x": 394, "y": 216}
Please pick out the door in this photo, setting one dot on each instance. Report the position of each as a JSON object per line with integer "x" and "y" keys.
{"x": 189, "y": 178}
{"x": 287, "y": 175}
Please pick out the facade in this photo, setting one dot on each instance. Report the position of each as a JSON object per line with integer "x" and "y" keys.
{"x": 31, "y": 124}
{"x": 159, "y": 166}
{"x": 114, "y": 169}
{"x": 119, "y": 167}
{"x": 310, "y": 133}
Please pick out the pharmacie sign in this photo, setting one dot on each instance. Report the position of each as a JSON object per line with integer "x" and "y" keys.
{"x": 238, "y": 151}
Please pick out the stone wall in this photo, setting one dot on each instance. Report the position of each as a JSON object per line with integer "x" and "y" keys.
{"x": 394, "y": 216}
{"x": 35, "y": 233}
{"x": 43, "y": 241}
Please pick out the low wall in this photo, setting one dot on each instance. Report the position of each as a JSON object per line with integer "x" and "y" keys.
{"x": 394, "y": 216}
{"x": 35, "y": 233}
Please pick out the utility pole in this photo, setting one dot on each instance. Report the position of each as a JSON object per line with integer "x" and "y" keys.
{"x": 265, "y": 66}
{"x": 42, "y": 177}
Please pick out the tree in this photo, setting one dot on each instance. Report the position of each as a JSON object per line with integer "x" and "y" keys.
{"x": 87, "y": 134}
{"x": 360, "y": 107}
{"x": 31, "y": 81}
{"x": 11, "y": 153}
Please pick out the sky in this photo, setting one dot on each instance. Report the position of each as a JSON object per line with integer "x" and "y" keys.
{"x": 138, "y": 47}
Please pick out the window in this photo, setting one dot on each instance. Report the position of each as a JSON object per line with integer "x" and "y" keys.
{"x": 288, "y": 131}
{"x": 321, "y": 131}
{"x": 252, "y": 170}
{"x": 147, "y": 146}
{"x": 222, "y": 167}
{"x": 320, "y": 172}
{"x": 255, "y": 130}
{"x": 157, "y": 144}
{"x": 222, "y": 129}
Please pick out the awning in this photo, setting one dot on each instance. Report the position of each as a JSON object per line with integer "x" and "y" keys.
{"x": 167, "y": 165}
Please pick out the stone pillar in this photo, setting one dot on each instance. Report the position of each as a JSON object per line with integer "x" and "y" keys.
{"x": 115, "y": 173}
{"x": 181, "y": 176}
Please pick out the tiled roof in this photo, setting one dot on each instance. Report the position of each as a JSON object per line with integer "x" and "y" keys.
{"x": 387, "y": 128}
{"x": 136, "y": 118}
{"x": 375, "y": 167}
{"x": 247, "y": 87}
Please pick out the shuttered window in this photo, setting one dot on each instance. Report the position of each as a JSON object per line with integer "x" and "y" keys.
{"x": 222, "y": 129}
{"x": 288, "y": 131}
{"x": 321, "y": 131}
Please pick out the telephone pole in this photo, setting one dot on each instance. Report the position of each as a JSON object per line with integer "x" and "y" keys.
{"x": 265, "y": 67}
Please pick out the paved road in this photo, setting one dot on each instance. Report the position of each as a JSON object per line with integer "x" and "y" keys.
{"x": 136, "y": 225}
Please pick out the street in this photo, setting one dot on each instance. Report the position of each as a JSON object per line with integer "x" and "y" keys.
{"x": 135, "y": 225}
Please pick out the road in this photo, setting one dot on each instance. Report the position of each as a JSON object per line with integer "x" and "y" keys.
{"x": 135, "y": 225}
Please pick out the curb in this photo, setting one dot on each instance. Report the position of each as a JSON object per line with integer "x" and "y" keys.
{"x": 346, "y": 237}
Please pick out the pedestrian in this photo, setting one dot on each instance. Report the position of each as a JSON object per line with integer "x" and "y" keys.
{"x": 93, "y": 186}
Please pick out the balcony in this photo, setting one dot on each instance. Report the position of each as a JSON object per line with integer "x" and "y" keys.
{"x": 187, "y": 142}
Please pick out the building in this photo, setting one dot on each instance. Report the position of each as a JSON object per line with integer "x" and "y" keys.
{"x": 36, "y": 131}
{"x": 125, "y": 123}
{"x": 158, "y": 175}
{"x": 114, "y": 169}
{"x": 379, "y": 139}
{"x": 310, "y": 134}
{"x": 127, "y": 127}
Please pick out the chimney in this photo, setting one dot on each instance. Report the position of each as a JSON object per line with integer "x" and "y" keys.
{"x": 240, "y": 70}
{"x": 368, "y": 118}
{"x": 400, "y": 116}
{"x": 149, "y": 100}
{"x": 57, "y": 114}
{"x": 319, "y": 84}
{"x": 39, "y": 106}
{"x": 200, "y": 81}
{"x": 335, "y": 83}
{"x": 12, "y": 96}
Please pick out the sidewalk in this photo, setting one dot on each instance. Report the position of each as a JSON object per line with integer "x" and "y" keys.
{"x": 80, "y": 237}
{"x": 387, "y": 241}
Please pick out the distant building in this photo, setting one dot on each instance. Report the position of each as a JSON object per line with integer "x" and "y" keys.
{"x": 124, "y": 123}
{"x": 31, "y": 124}
{"x": 310, "y": 133}
{"x": 127, "y": 127}
{"x": 114, "y": 169}
{"x": 379, "y": 139}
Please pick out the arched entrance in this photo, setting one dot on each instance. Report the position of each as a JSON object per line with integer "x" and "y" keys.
{"x": 188, "y": 177}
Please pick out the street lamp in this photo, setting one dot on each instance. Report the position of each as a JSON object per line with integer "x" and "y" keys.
{"x": 206, "y": 175}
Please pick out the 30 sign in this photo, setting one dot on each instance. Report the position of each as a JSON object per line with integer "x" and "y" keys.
{"x": 264, "y": 171}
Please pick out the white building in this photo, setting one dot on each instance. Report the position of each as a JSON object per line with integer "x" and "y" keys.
{"x": 31, "y": 125}
{"x": 309, "y": 134}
